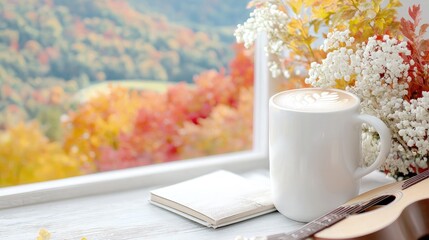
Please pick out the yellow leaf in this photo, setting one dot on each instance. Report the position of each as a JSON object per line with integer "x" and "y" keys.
{"x": 379, "y": 23}
{"x": 342, "y": 84}
{"x": 394, "y": 4}
{"x": 316, "y": 25}
{"x": 320, "y": 13}
{"x": 44, "y": 234}
{"x": 349, "y": 13}
{"x": 293, "y": 26}
{"x": 309, "y": 40}
{"x": 376, "y": 5}
{"x": 296, "y": 5}
{"x": 309, "y": 3}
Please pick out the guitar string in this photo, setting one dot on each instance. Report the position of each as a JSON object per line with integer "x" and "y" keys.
{"x": 408, "y": 183}
{"x": 341, "y": 213}
{"x": 416, "y": 178}
{"x": 374, "y": 202}
{"x": 297, "y": 234}
{"x": 316, "y": 225}
{"x": 328, "y": 217}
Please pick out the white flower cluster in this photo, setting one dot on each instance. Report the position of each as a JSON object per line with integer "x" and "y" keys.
{"x": 335, "y": 39}
{"x": 269, "y": 20}
{"x": 380, "y": 78}
{"x": 413, "y": 129}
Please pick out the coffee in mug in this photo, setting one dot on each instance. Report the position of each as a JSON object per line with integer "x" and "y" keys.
{"x": 315, "y": 150}
{"x": 315, "y": 100}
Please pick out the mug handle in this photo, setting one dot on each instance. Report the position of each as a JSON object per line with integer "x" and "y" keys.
{"x": 385, "y": 138}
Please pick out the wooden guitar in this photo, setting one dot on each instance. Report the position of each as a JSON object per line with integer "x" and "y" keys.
{"x": 396, "y": 211}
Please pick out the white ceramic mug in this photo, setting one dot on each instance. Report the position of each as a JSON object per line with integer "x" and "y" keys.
{"x": 315, "y": 150}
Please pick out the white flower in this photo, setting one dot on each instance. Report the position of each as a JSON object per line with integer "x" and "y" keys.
{"x": 268, "y": 19}
{"x": 381, "y": 81}
{"x": 274, "y": 69}
{"x": 335, "y": 38}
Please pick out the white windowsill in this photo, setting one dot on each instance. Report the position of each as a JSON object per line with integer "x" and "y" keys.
{"x": 128, "y": 215}
{"x": 121, "y": 180}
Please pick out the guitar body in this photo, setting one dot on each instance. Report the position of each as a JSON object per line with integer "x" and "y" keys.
{"x": 406, "y": 217}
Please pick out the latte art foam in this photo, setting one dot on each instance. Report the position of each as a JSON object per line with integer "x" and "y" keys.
{"x": 315, "y": 100}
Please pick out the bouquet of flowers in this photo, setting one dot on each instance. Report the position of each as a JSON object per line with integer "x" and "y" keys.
{"x": 366, "y": 50}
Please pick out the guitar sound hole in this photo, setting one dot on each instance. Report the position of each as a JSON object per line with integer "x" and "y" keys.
{"x": 389, "y": 199}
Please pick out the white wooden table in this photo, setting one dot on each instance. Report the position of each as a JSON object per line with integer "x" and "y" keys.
{"x": 128, "y": 215}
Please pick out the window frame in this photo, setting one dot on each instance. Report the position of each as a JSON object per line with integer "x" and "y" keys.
{"x": 159, "y": 174}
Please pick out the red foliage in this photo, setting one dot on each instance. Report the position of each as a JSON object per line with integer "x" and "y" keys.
{"x": 183, "y": 104}
{"x": 53, "y": 53}
{"x": 79, "y": 29}
{"x": 38, "y": 96}
{"x": 43, "y": 58}
{"x": 418, "y": 169}
{"x": 419, "y": 48}
{"x": 110, "y": 34}
{"x": 14, "y": 45}
{"x": 6, "y": 90}
{"x": 12, "y": 108}
{"x": 151, "y": 141}
{"x": 156, "y": 135}
{"x": 242, "y": 70}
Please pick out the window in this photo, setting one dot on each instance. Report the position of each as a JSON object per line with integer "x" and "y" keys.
{"x": 56, "y": 59}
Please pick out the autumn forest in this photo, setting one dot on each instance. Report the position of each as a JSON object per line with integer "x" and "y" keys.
{"x": 52, "y": 49}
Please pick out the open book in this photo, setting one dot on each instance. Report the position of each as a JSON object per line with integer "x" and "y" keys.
{"x": 216, "y": 199}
